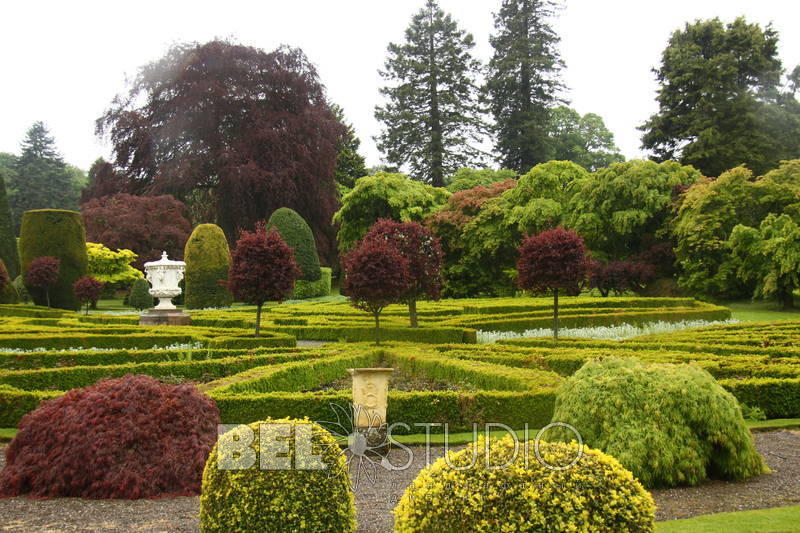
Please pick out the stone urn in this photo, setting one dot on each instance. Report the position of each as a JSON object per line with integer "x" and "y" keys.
{"x": 370, "y": 398}
{"x": 164, "y": 276}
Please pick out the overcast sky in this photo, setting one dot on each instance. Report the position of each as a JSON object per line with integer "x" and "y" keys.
{"x": 63, "y": 62}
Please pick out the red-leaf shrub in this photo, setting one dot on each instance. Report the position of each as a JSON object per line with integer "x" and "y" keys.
{"x": 130, "y": 437}
{"x": 42, "y": 273}
{"x": 552, "y": 260}
{"x": 262, "y": 269}
{"x": 423, "y": 253}
{"x": 88, "y": 291}
{"x": 376, "y": 275}
{"x": 620, "y": 276}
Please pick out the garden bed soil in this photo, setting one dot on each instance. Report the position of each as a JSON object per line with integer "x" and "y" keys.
{"x": 375, "y": 498}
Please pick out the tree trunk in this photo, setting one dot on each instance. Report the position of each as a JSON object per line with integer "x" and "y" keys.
{"x": 47, "y": 295}
{"x": 258, "y": 320}
{"x": 786, "y": 297}
{"x": 412, "y": 312}
{"x": 555, "y": 314}
{"x": 377, "y": 327}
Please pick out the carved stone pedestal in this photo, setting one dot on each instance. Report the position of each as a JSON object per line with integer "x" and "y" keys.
{"x": 165, "y": 317}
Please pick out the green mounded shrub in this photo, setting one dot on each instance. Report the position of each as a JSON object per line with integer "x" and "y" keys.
{"x": 22, "y": 290}
{"x": 313, "y": 289}
{"x": 297, "y": 234}
{"x": 9, "y": 252}
{"x": 207, "y": 260}
{"x": 470, "y": 490}
{"x": 139, "y": 297}
{"x": 60, "y": 234}
{"x": 251, "y": 489}
{"x": 8, "y": 292}
{"x": 669, "y": 424}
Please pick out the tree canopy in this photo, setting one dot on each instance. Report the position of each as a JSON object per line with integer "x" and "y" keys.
{"x": 584, "y": 140}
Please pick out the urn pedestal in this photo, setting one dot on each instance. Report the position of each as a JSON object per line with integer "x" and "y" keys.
{"x": 164, "y": 276}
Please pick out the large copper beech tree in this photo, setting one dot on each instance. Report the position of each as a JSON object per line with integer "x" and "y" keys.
{"x": 243, "y": 129}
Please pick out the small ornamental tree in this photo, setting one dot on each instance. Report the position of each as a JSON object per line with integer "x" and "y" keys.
{"x": 88, "y": 291}
{"x": 42, "y": 273}
{"x": 552, "y": 260}
{"x": 620, "y": 276}
{"x": 376, "y": 275}
{"x": 262, "y": 269}
{"x": 424, "y": 255}
{"x": 140, "y": 297}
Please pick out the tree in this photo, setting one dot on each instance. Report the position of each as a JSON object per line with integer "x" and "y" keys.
{"x": 376, "y": 275}
{"x": 384, "y": 195}
{"x": 208, "y": 261}
{"x": 111, "y": 268}
{"x": 262, "y": 269}
{"x": 103, "y": 180}
{"x": 253, "y": 128}
{"x": 423, "y": 254}
{"x": 8, "y": 292}
{"x": 584, "y": 140}
{"x": 553, "y": 260}
{"x": 350, "y": 164}
{"x": 87, "y": 291}
{"x": 42, "y": 274}
{"x": 620, "y": 276}
{"x": 432, "y": 117}
{"x": 523, "y": 81}
{"x": 297, "y": 234}
{"x": 720, "y": 102}
{"x": 41, "y": 179}
{"x": 9, "y": 252}
{"x": 469, "y": 178}
{"x": 140, "y": 297}
{"x": 148, "y": 225}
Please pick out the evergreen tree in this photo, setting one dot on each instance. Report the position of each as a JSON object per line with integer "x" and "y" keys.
{"x": 432, "y": 116}
{"x": 523, "y": 81}
{"x": 350, "y": 164}
{"x": 8, "y": 242}
{"x": 41, "y": 179}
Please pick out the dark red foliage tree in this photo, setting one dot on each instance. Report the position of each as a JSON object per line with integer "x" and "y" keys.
{"x": 376, "y": 275}
{"x": 130, "y": 437}
{"x": 104, "y": 180}
{"x": 620, "y": 276}
{"x": 253, "y": 127}
{"x": 551, "y": 261}
{"x": 42, "y": 273}
{"x": 423, "y": 253}
{"x": 148, "y": 225}
{"x": 262, "y": 269}
{"x": 88, "y": 291}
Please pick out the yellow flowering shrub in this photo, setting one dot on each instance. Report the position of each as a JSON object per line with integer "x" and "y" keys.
{"x": 278, "y": 475}
{"x": 487, "y": 488}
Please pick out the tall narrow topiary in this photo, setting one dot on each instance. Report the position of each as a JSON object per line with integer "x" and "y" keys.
{"x": 8, "y": 241}
{"x": 140, "y": 295}
{"x": 59, "y": 234}
{"x": 297, "y": 234}
{"x": 207, "y": 260}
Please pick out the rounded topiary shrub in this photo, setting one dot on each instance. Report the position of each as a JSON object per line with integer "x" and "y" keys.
{"x": 140, "y": 298}
{"x": 129, "y": 437}
{"x": 669, "y": 424}
{"x": 207, "y": 260}
{"x": 59, "y": 234}
{"x": 262, "y": 477}
{"x": 298, "y": 235}
{"x": 523, "y": 493}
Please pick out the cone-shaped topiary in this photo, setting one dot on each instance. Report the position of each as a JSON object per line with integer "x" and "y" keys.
{"x": 140, "y": 295}
{"x": 207, "y": 260}
{"x": 277, "y": 475}
{"x": 8, "y": 293}
{"x": 130, "y": 437}
{"x": 298, "y": 235}
{"x": 59, "y": 234}
{"x": 9, "y": 252}
{"x": 669, "y": 424}
{"x": 530, "y": 493}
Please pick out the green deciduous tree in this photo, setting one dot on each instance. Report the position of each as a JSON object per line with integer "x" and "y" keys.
{"x": 469, "y": 178}
{"x": 432, "y": 116}
{"x": 720, "y": 100}
{"x": 110, "y": 267}
{"x": 584, "y": 140}
{"x": 523, "y": 82}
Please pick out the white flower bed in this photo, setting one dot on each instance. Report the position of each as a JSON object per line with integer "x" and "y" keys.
{"x": 610, "y": 333}
{"x": 171, "y": 347}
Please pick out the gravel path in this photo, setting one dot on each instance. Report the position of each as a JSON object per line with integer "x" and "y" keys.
{"x": 376, "y": 497}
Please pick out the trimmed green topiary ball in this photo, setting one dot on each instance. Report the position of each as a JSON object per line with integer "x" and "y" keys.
{"x": 60, "y": 234}
{"x": 207, "y": 260}
{"x": 248, "y": 486}
{"x": 669, "y": 424}
{"x": 298, "y": 235}
{"x": 596, "y": 494}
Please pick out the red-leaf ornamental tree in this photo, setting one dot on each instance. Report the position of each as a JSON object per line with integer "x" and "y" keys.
{"x": 233, "y": 124}
{"x": 423, "y": 253}
{"x": 376, "y": 275}
{"x": 620, "y": 276}
{"x": 42, "y": 274}
{"x": 88, "y": 291}
{"x": 551, "y": 261}
{"x": 262, "y": 269}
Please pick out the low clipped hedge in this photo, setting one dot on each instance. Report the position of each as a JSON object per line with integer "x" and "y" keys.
{"x": 267, "y": 495}
{"x": 470, "y": 490}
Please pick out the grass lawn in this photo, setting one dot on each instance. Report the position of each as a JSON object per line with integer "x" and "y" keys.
{"x": 7, "y": 434}
{"x": 760, "y": 311}
{"x": 777, "y": 520}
